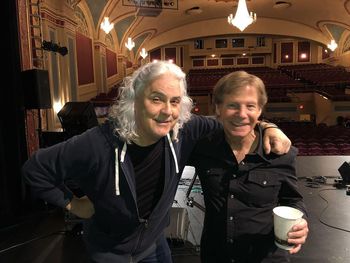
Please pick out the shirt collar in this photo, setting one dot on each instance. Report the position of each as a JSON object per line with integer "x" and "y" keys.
{"x": 218, "y": 141}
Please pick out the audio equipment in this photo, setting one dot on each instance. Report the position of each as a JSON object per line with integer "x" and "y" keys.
{"x": 344, "y": 171}
{"x": 36, "y": 89}
{"x": 77, "y": 117}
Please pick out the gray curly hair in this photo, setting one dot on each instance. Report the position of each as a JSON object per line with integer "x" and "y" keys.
{"x": 122, "y": 112}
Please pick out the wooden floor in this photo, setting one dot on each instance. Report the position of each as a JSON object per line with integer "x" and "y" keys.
{"x": 48, "y": 238}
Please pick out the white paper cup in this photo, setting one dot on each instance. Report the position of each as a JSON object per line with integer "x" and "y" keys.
{"x": 284, "y": 218}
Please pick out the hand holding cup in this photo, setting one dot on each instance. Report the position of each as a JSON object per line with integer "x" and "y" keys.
{"x": 284, "y": 219}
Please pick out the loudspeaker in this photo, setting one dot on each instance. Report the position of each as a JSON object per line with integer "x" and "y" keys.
{"x": 77, "y": 117}
{"x": 344, "y": 171}
{"x": 36, "y": 89}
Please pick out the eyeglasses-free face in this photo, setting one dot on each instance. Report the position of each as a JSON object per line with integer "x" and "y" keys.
{"x": 157, "y": 111}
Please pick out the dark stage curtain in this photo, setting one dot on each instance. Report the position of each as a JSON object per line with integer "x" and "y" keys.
{"x": 12, "y": 133}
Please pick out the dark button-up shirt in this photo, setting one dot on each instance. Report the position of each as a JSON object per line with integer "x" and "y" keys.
{"x": 239, "y": 198}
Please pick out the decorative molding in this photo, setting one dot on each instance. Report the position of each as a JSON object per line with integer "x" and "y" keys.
{"x": 82, "y": 26}
{"x": 73, "y": 3}
{"x": 152, "y": 4}
{"x": 346, "y": 46}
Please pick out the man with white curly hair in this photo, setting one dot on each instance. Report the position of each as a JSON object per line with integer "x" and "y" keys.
{"x": 130, "y": 166}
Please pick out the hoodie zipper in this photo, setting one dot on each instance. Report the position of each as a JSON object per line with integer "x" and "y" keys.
{"x": 140, "y": 237}
{"x": 142, "y": 221}
{"x": 145, "y": 221}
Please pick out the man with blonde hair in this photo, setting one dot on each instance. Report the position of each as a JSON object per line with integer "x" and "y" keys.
{"x": 241, "y": 183}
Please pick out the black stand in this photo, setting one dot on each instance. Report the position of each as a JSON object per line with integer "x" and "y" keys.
{"x": 190, "y": 200}
{"x": 40, "y": 130}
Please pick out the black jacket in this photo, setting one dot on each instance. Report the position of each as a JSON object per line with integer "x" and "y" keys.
{"x": 89, "y": 160}
{"x": 239, "y": 198}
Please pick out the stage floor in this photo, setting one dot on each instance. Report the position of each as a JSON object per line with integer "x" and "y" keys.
{"x": 44, "y": 238}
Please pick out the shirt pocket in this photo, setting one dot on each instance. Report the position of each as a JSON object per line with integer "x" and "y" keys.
{"x": 263, "y": 188}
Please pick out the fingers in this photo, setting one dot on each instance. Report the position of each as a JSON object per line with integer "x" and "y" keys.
{"x": 295, "y": 249}
{"x": 279, "y": 146}
{"x": 267, "y": 146}
{"x": 276, "y": 141}
{"x": 298, "y": 236}
{"x": 302, "y": 224}
{"x": 273, "y": 144}
{"x": 298, "y": 240}
{"x": 300, "y": 229}
{"x": 286, "y": 144}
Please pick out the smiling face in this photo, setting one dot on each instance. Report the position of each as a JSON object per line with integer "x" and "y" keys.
{"x": 239, "y": 112}
{"x": 157, "y": 109}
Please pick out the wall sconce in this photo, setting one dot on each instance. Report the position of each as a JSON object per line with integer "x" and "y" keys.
{"x": 106, "y": 25}
{"x": 130, "y": 44}
{"x": 143, "y": 53}
{"x": 303, "y": 56}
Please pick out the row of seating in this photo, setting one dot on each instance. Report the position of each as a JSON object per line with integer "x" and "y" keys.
{"x": 106, "y": 99}
{"x": 322, "y": 152}
{"x": 316, "y": 140}
{"x": 318, "y": 74}
{"x": 325, "y": 79}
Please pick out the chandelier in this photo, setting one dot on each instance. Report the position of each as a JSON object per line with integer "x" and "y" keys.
{"x": 130, "y": 44}
{"x": 106, "y": 25}
{"x": 242, "y": 18}
{"x": 143, "y": 53}
{"x": 333, "y": 45}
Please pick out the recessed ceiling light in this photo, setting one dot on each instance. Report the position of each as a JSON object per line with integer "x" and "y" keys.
{"x": 194, "y": 10}
{"x": 281, "y": 4}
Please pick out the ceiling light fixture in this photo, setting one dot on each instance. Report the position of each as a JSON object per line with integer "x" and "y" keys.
{"x": 333, "y": 45}
{"x": 242, "y": 18}
{"x": 194, "y": 10}
{"x": 281, "y": 5}
{"x": 106, "y": 25}
{"x": 143, "y": 53}
{"x": 130, "y": 44}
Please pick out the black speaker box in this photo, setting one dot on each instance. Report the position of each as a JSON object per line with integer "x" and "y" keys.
{"x": 77, "y": 117}
{"x": 36, "y": 89}
{"x": 344, "y": 171}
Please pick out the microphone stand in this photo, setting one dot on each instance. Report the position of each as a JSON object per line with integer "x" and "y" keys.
{"x": 190, "y": 200}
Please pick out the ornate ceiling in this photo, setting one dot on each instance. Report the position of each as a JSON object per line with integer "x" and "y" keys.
{"x": 317, "y": 20}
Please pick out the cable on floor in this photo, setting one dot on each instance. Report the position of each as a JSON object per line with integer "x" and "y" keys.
{"x": 324, "y": 209}
{"x": 32, "y": 240}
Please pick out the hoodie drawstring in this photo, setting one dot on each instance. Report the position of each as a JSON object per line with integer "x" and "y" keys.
{"x": 122, "y": 156}
{"x": 173, "y": 151}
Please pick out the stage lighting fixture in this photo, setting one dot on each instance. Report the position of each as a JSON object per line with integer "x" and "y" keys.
{"x": 50, "y": 46}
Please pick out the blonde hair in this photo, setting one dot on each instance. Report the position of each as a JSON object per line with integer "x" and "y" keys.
{"x": 238, "y": 79}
